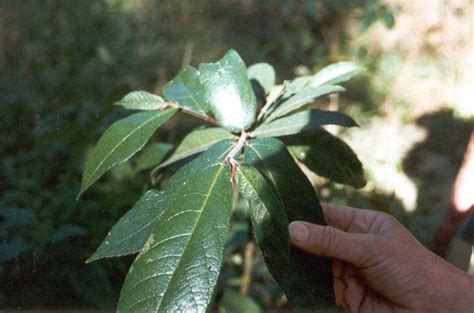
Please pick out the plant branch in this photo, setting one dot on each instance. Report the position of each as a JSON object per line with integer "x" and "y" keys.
{"x": 248, "y": 264}
{"x": 203, "y": 117}
{"x": 271, "y": 98}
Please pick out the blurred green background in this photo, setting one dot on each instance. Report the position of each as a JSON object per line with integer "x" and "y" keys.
{"x": 64, "y": 63}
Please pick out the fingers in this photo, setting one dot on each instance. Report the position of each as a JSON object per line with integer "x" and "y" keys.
{"x": 347, "y": 218}
{"x": 357, "y": 249}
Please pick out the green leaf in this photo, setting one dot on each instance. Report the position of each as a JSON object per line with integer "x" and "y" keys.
{"x": 178, "y": 267}
{"x": 187, "y": 90}
{"x": 303, "y": 121}
{"x": 268, "y": 217}
{"x": 132, "y": 230}
{"x": 153, "y": 155}
{"x": 335, "y": 73}
{"x": 300, "y": 99}
{"x": 264, "y": 74}
{"x": 229, "y": 91}
{"x": 120, "y": 142}
{"x": 234, "y": 302}
{"x": 330, "y": 75}
{"x": 327, "y": 156}
{"x": 307, "y": 281}
{"x": 197, "y": 141}
{"x": 141, "y": 100}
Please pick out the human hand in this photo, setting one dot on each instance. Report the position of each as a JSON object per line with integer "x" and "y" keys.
{"x": 379, "y": 266}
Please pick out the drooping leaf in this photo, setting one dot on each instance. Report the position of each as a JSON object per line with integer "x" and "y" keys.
{"x": 141, "y": 100}
{"x": 303, "y": 121}
{"x": 179, "y": 265}
{"x": 187, "y": 90}
{"x": 268, "y": 218}
{"x": 308, "y": 280}
{"x": 132, "y": 230}
{"x": 264, "y": 74}
{"x": 335, "y": 73}
{"x": 120, "y": 142}
{"x": 234, "y": 302}
{"x": 302, "y": 98}
{"x": 229, "y": 91}
{"x": 328, "y": 156}
{"x": 197, "y": 141}
{"x": 153, "y": 155}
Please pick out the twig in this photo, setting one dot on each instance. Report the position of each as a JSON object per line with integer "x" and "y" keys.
{"x": 271, "y": 98}
{"x": 248, "y": 264}
{"x": 188, "y": 53}
{"x": 203, "y": 117}
{"x": 229, "y": 159}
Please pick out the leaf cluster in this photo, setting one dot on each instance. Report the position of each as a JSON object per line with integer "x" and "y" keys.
{"x": 259, "y": 128}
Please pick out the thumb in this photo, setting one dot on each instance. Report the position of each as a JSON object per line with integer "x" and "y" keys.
{"x": 357, "y": 249}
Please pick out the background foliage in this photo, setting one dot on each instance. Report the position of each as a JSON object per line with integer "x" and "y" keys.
{"x": 64, "y": 64}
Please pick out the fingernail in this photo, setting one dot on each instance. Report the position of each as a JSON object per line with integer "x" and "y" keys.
{"x": 298, "y": 231}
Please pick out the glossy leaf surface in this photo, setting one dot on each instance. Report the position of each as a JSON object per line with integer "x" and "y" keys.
{"x": 197, "y": 141}
{"x": 268, "y": 217}
{"x": 132, "y": 230}
{"x": 141, "y": 100}
{"x": 187, "y": 90}
{"x": 120, "y": 142}
{"x": 229, "y": 91}
{"x": 328, "y": 156}
{"x": 307, "y": 282}
{"x": 303, "y": 121}
{"x": 302, "y": 98}
{"x": 178, "y": 268}
{"x": 264, "y": 74}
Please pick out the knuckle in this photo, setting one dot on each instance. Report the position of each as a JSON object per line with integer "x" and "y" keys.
{"x": 328, "y": 239}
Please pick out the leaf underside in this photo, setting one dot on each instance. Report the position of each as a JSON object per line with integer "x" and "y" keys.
{"x": 308, "y": 281}
{"x": 141, "y": 100}
{"x": 120, "y": 142}
{"x": 179, "y": 265}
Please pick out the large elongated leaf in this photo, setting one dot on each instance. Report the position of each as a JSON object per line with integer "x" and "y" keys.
{"x": 197, "y": 141}
{"x": 187, "y": 90}
{"x": 335, "y": 73}
{"x": 328, "y": 156}
{"x": 301, "y": 99}
{"x": 120, "y": 142}
{"x": 229, "y": 91}
{"x": 332, "y": 74}
{"x": 268, "y": 217}
{"x": 141, "y": 100}
{"x": 133, "y": 229}
{"x": 306, "y": 120}
{"x": 308, "y": 281}
{"x": 264, "y": 74}
{"x": 179, "y": 265}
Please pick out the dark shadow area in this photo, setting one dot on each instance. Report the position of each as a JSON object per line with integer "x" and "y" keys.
{"x": 433, "y": 165}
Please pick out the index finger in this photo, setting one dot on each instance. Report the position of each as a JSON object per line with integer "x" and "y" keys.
{"x": 348, "y": 218}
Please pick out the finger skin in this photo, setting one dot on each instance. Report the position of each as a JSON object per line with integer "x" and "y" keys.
{"x": 332, "y": 242}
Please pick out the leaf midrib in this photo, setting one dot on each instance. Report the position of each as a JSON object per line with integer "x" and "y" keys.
{"x": 120, "y": 143}
{"x": 190, "y": 237}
